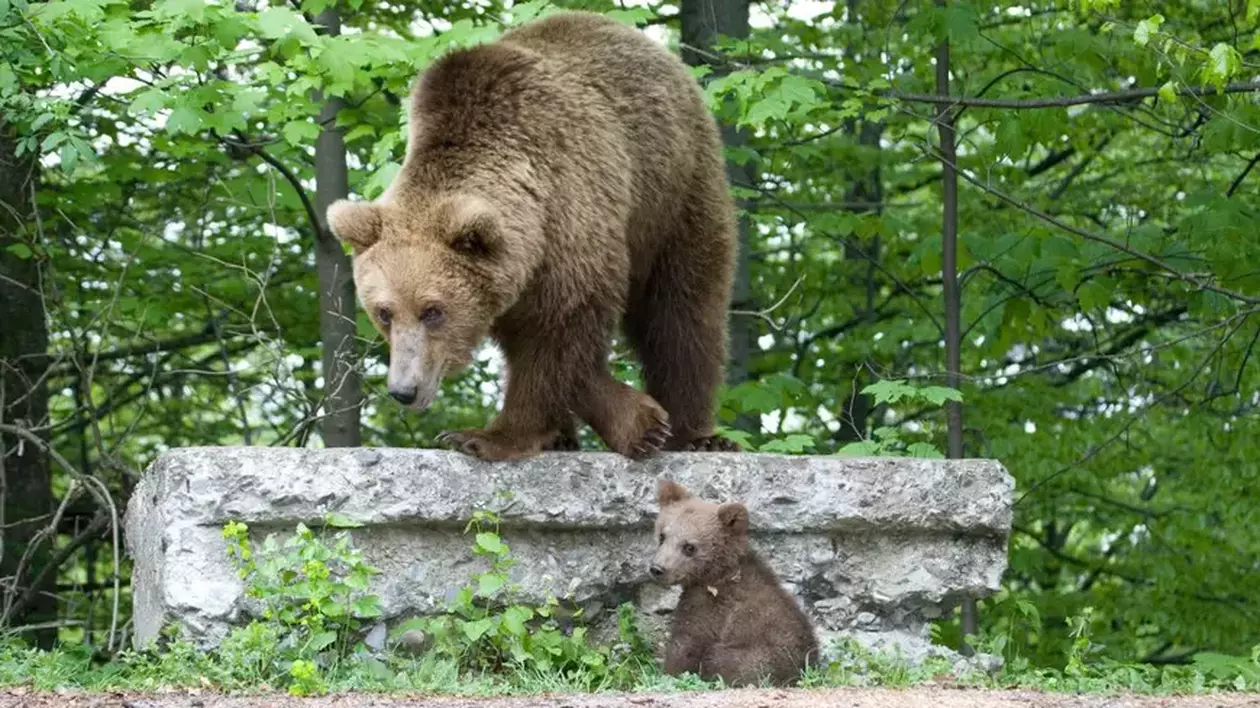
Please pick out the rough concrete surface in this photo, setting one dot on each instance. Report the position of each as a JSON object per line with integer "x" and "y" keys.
{"x": 873, "y": 548}
{"x": 832, "y": 698}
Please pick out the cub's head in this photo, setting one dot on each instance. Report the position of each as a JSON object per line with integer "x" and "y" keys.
{"x": 697, "y": 542}
{"x": 431, "y": 279}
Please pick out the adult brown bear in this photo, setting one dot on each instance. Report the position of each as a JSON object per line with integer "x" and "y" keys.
{"x": 557, "y": 180}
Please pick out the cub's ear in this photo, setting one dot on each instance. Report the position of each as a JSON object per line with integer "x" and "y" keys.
{"x": 473, "y": 227}
{"x": 355, "y": 223}
{"x": 670, "y": 492}
{"x": 734, "y": 518}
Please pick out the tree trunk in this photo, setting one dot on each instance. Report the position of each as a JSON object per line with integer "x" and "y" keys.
{"x": 949, "y": 274}
{"x": 25, "y": 479}
{"x": 867, "y": 194}
{"x": 703, "y": 21}
{"x": 343, "y": 389}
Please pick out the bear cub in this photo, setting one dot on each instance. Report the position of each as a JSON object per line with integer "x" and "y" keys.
{"x": 559, "y": 182}
{"x": 734, "y": 620}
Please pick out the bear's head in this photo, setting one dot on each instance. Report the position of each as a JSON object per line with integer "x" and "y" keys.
{"x": 432, "y": 278}
{"x": 697, "y": 542}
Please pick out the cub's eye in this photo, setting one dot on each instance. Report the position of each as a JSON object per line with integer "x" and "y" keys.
{"x": 661, "y": 539}
{"x": 432, "y": 316}
{"x": 384, "y": 315}
{"x": 689, "y": 549}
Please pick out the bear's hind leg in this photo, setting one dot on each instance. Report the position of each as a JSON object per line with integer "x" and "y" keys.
{"x": 677, "y": 324}
{"x": 630, "y": 422}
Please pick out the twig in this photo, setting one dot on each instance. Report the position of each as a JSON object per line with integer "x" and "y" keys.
{"x": 1233, "y": 187}
{"x": 765, "y": 313}
{"x": 1096, "y": 238}
{"x": 1065, "y": 101}
{"x": 1101, "y": 98}
{"x": 94, "y": 487}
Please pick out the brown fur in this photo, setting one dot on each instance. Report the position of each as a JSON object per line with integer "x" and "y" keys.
{"x": 559, "y": 181}
{"x": 734, "y": 620}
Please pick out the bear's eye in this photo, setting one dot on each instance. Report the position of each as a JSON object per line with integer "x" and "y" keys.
{"x": 689, "y": 549}
{"x": 432, "y": 316}
{"x": 384, "y": 315}
{"x": 661, "y": 539}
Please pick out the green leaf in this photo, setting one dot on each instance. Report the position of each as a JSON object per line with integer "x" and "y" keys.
{"x": 477, "y": 629}
{"x": 739, "y": 437}
{"x": 514, "y": 619}
{"x": 1168, "y": 92}
{"x": 20, "y": 250}
{"x": 924, "y": 450}
{"x": 194, "y": 10}
{"x": 865, "y": 448}
{"x": 772, "y": 107}
{"x": 1093, "y": 295}
{"x": 280, "y": 22}
{"x": 632, "y": 16}
{"x": 42, "y": 120}
{"x": 322, "y": 641}
{"x": 183, "y": 120}
{"x": 339, "y": 520}
{"x": 1146, "y": 28}
{"x": 490, "y": 543}
{"x": 380, "y": 180}
{"x": 300, "y": 133}
{"x": 798, "y": 89}
{"x": 53, "y": 140}
{"x": 360, "y": 131}
{"x": 888, "y": 391}
{"x": 938, "y": 395}
{"x": 490, "y": 583}
{"x": 148, "y": 101}
{"x": 795, "y": 444}
{"x": 962, "y": 23}
{"x": 1222, "y": 64}
{"x": 367, "y": 606}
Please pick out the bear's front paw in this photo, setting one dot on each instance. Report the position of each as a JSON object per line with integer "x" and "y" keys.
{"x": 484, "y": 445}
{"x": 650, "y": 431}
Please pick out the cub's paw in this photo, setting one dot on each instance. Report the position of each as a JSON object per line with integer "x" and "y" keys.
{"x": 484, "y": 445}
{"x": 712, "y": 443}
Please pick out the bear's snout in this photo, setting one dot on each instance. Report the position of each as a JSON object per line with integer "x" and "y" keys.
{"x": 405, "y": 396}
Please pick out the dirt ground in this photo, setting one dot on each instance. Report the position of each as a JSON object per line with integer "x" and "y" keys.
{"x": 831, "y": 698}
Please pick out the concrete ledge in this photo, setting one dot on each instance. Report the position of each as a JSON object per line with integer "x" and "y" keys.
{"x": 873, "y": 548}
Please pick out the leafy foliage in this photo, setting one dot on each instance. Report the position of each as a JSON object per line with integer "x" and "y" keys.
{"x": 313, "y": 594}
{"x": 486, "y": 628}
{"x": 1107, "y": 210}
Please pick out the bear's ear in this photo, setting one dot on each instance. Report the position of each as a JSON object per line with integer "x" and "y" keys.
{"x": 355, "y": 223}
{"x": 473, "y": 227}
{"x": 478, "y": 237}
{"x": 670, "y": 492}
{"x": 734, "y": 518}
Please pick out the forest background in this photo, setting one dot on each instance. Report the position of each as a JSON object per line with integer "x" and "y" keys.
{"x": 1049, "y": 207}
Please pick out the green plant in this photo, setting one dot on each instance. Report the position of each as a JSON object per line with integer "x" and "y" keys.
{"x": 892, "y": 440}
{"x": 487, "y": 628}
{"x": 312, "y": 591}
{"x": 1241, "y": 672}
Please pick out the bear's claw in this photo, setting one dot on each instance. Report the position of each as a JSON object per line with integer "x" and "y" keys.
{"x": 713, "y": 443}
{"x": 462, "y": 441}
{"x": 654, "y": 438}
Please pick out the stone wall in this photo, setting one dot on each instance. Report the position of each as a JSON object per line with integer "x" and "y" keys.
{"x": 873, "y": 548}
